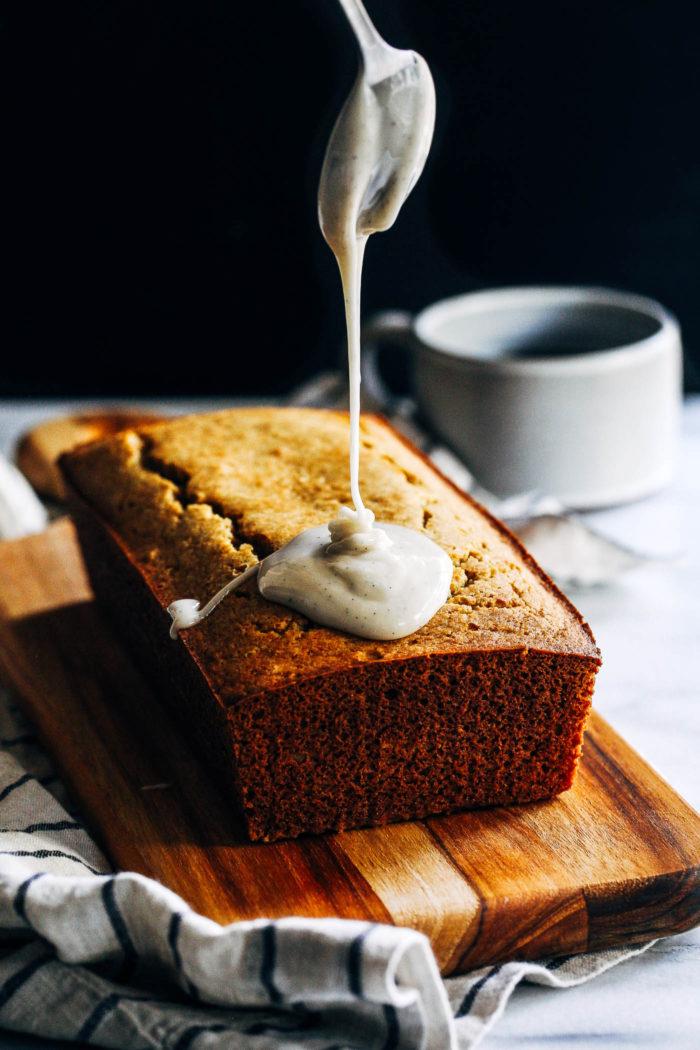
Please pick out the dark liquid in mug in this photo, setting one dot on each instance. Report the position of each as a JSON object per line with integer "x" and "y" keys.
{"x": 586, "y": 329}
{"x": 530, "y": 352}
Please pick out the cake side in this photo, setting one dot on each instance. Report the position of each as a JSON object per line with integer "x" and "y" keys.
{"x": 385, "y": 741}
{"x": 409, "y": 740}
{"x": 361, "y": 733}
{"x": 197, "y": 500}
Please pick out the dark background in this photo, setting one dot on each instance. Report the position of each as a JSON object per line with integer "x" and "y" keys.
{"x": 160, "y": 164}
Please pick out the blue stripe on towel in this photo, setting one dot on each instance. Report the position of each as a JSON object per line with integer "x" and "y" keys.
{"x": 20, "y": 978}
{"x": 101, "y": 1011}
{"x": 471, "y": 995}
{"x": 20, "y": 901}
{"x": 269, "y": 961}
{"x": 46, "y": 825}
{"x": 15, "y": 784}
{"x": 129, "y": 953}
{"x": 190, "y": 1034}
{"x": 354, "y": 963}
{"x": 391, "y": 1018}
{"x": 173, "y": 936}
{"x": 43, "y": 854}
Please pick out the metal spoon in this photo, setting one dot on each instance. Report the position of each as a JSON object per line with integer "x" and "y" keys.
{"x": 379, "y": 58}
{"x": 389, "y": 115}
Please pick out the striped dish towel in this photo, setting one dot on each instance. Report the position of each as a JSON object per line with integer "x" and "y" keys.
{"x": 117, "y": 960}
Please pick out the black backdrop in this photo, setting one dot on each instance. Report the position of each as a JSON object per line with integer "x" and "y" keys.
{"x": 161, "y": 160}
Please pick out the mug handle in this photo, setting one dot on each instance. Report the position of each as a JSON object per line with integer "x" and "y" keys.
{"x": 387, "y": 326}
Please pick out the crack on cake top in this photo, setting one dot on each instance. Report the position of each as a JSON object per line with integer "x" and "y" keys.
{"x": 186, "y": 497}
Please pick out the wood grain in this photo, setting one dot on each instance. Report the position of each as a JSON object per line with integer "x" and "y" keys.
{"x": 615, "y": 860}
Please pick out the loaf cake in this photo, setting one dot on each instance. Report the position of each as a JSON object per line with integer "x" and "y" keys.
{"x": 310, "y": 729}
{"x": 40, "y": 448}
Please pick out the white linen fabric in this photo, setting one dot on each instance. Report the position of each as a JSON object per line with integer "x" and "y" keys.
{"x": 117, "y": 960}
{"x": 21, "y": 510}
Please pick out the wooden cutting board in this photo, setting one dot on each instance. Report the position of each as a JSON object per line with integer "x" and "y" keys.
{"x": 615, "y": 860}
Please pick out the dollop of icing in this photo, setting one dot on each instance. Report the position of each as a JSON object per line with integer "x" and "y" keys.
{"x": 379, "y": 581}
{"x": 352, "y": 532}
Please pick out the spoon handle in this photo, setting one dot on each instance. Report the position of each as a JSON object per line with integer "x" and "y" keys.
{"x": 362, "y": 26}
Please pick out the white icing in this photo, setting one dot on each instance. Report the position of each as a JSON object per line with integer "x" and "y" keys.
{"x": 185, "y": 612}
{"x": 379, "y": 581}
{"x": 375, "y": 154}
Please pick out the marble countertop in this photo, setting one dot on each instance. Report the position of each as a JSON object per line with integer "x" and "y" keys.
{"x": 648, "y": 629}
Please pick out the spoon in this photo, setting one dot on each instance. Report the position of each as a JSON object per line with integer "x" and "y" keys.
{"x": 381, "y": 139}
{"x": 379, "y": 58}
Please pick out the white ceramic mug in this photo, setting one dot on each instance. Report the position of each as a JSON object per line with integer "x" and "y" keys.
{"x": 571, "y": 392}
